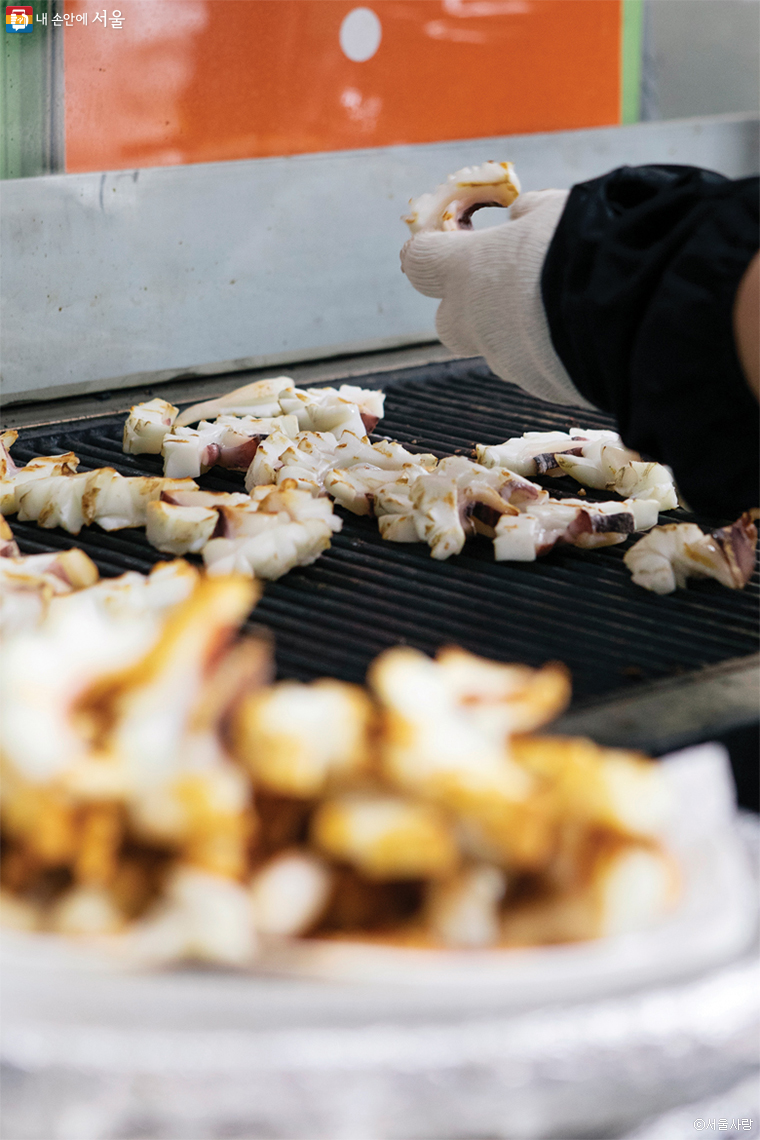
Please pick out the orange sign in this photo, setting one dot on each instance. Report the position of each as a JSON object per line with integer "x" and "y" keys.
{"x": 204, "y": 80}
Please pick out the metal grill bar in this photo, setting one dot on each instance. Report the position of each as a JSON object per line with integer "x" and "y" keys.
{"x": 364, "y": 594}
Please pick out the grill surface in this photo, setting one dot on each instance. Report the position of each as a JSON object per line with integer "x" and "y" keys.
{"x": 364, "y": 594}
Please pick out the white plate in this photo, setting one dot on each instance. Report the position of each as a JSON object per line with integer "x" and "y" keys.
{"x": 713, "y": 923}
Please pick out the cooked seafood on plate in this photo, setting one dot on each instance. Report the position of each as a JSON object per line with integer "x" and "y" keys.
{"x": 164, "y": 799}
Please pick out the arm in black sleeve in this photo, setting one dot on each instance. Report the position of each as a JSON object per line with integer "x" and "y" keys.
{"x": 638, "y": 286}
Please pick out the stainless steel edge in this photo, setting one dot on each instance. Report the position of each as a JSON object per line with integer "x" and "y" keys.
{"x": 135, "y": 276}
{"x": 666, "y": 714}
{"x": 90, "y": 406}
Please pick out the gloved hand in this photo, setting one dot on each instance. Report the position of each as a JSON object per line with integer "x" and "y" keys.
{"x": 490, "y": 284}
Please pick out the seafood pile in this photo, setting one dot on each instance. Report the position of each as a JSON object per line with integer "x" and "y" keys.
{"x": 302, "y": 450}
{"x": 163, "y": 798}
{"x": 305, "y": 448}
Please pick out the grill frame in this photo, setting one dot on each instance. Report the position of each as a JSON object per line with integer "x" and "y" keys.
{"x": 365, "y": 594}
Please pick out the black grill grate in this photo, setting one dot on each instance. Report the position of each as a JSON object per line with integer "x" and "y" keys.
{"x": 365, "y": 594}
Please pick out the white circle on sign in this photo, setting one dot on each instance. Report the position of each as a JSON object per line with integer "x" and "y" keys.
{"x": 360, "y": 34}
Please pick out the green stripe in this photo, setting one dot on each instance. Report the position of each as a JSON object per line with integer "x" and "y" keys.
{"x": 630, "y": 60}
{"x": 29, "y": 117}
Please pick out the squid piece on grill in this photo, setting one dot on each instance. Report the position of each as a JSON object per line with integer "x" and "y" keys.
{"x": 13, "y": 479}
{"x": 387, "y": 454}
{"x": 185, "y": 523}
{"x": 174, "y": 529}
{"x": 335, "y": 410}
{"x": 231, "y": 442}
{"x": 8, "y": 545}
{"x": 438, "y": 503}
{"x": 271, "y": 547}
{"x": 451, "y": 205}
{"x": 666, "y": 557}
{"x": 594, "y": 458}
{"x": 305, "y": 458}
{"x": 523, "y": 537}
{"x": 324, "y": 411}
{"x": 283, "y": 528}
{"x": 261, "y": 398}
{"x": 460, "y": 498}
{"x": 103, "y": 496}
{"x": 146, "y": 425}
{"x": 182, "y": 522}
{"x": 426, "y": 501}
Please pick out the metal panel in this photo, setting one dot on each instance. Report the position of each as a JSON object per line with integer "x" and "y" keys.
{"x": 113, "y": 279}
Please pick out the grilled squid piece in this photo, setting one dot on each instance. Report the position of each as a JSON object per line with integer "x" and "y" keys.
{"x": 433, "y": 745}
{"x": 666, "y": 557}
{"x": 465, "y": 910}
{"x": 535, "y": 452}
{"x": 451, "y": 205}
{"x": 13, "y": 478}
{"x": 261, "y": 398}
{"x": 386, "y": 837}
{"x": 103, "y": 496}
{"x": 202, "y": 918}
{"x": 526, "y": 536}
{"x": 611, "y": 788}
{"x": 594, "y": 458}
{"x": 305, "y": 459}
{"x": 8, "y": 545}
{"x": 504, "y": 699}
{"x": 290, "y": 893}
{"x": 231, "y": 442}
{"x": 387, "y": 454}
{"x": 168, "y": 584}
{"x": 362, "y": 487}
{"x": 274, "y": 550}
{"x": 613, "y": 886}
{"x": 298, "y": 739}
{"x": 456, "y": 499}
{"x": 324, "y": 410}
{"x": 146, "y": 425}
{"x": 363, "y": 471}
{"x": 174, "y": 529}
{"x": 183, "y": 524}
{"x": 336, "y": 410}
{"x": 29, "y": 582}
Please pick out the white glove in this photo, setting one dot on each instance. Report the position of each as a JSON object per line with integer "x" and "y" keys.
{"x": 490, "y": 285}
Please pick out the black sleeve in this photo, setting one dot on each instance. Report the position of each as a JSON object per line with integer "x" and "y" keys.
{"x": 638, "y": 287}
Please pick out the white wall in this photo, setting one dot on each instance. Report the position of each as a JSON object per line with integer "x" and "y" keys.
{"x": 701, "y": 57}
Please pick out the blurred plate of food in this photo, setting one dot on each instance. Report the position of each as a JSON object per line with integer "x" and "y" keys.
{"x": 166, "y": 803}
